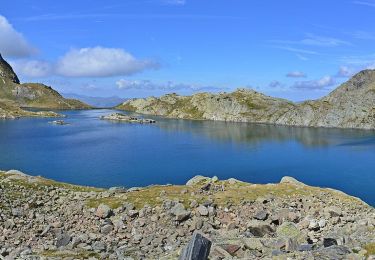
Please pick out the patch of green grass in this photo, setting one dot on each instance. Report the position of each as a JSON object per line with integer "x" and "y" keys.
{"x": 370, "y": 248}
{"x": 69, "y": 254}
{"x": 127, "y": 107}
{"x": 233, "y": 193}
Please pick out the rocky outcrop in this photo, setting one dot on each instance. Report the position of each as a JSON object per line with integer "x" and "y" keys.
{"x": 43, "y": 219}
{"x": 118, "y": 117}
{"x": 32, "y": 95}
{"x": 352, "y": 105}
{"x": 7, "y": 73}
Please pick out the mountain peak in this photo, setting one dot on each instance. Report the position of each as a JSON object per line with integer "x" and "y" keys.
{"x": 6, "y": 72}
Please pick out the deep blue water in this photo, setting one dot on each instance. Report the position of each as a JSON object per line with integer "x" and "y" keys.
{"x": 99, "y": 153}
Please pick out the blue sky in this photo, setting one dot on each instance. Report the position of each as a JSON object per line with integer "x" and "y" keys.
{"x": 134, "y": 48}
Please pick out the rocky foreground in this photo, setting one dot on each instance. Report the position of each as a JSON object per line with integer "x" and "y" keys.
{"x": 43, "y": 219}
{"x": 352, "y": 105}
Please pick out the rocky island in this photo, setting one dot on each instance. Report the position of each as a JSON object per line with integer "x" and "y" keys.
{"x": 125, "y": 118}
{"x": 14, "y": 96}
{"x": 352, "y": 105}
{"x": 43, "y": 219}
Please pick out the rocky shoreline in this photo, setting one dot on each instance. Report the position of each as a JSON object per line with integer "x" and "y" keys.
{"x": 125, "y": 118}
{"x": 43, "y": 219}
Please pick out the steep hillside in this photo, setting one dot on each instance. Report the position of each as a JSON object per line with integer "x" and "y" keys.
{"x": 33, "y": 95}
{"x": 352, "y": 105}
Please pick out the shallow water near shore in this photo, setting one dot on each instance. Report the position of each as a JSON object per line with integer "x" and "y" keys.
{"x": 101, "y": 153}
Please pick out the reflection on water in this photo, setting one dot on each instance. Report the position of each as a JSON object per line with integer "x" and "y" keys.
{"x": 258, "y": 133}
{"x": 100, "y": 153}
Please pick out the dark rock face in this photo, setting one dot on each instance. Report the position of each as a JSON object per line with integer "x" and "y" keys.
{"x": 6, "y": 71}
{"x": 327, "y": 242}
{"x": 198, "y": 248}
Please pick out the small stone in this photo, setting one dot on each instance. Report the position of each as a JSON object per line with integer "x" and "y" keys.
{"x": 202, "y": 210}
{"x": 305, "y": 247}
{"x": 261, "y": 215}
{"x": 199, "y": 224}
{"x": 106, "y": 229}
{"x": 179, "y": 212}
{"x": 261, "y": 231}
{"x": 98, "y": 246}
{"x": 322, "y": 223}
{"x": 62, "y": 240}
{"x": 103, "y": 211}
{"x": 17, "y": 212}
{"x": 9, "y": 224}
{"x": 327, "y": 242}
{"x": 314, "y": 225}
{"x": 133, "y": 213}
{"x": 334, "y": 211}
{"x": 288, "y": 230}
{"x": 291, "y": 245}
{"x": 231, "y": 249}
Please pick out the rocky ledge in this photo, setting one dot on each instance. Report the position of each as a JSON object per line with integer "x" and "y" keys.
{"x": 43, "y": 219}
{"x": 8, "y": 110}
{"x": 125, "y": 118}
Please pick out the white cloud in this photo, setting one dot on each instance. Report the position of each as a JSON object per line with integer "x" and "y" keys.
{"x": 345, "y": 72}
{"x": 100, "y": 62}
{"x": 86, "y": 62}
{"x": 296, "y": 74}
{"x": 13, "y": 43}
{"x": 322, "y": 83}
{"x": 125, "y": 84}
{"x": 32, "y": 68}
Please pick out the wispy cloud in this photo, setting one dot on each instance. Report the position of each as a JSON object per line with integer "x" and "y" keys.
{"x": 365, "y": 3}
{"x": 296, "y": 50}
{"x": 275, "y": 84}
{"x": 296, "y": 74}
{"x": 56, "y": 17}
{"x": 318, "y": 84}
{"x": 125, "y": 84}
{"x": 174, "y": 2}
{"x": 346, "y": 72}
{"x": 314, "y": 40}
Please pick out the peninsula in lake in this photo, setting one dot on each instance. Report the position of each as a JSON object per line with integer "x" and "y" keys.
{"x": 351, "y": 105}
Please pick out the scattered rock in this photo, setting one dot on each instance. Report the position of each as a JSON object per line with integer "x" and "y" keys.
{"x": 179, "y": 212}
{"x": 261, "y": 215}
{"x": 103, "y": 211}
{"x": 62, "y": 240}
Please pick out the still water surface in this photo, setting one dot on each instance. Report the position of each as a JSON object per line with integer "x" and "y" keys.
{"x": 99, "y": 153}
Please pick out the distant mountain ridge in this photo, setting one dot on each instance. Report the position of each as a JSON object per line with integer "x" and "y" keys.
{"x": 100, "y": 102}
{"x": 351, "y": 105}
{"x": 14, "y": 95}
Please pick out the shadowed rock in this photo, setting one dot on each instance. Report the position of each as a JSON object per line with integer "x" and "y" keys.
{"x": 198, "y": 248}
